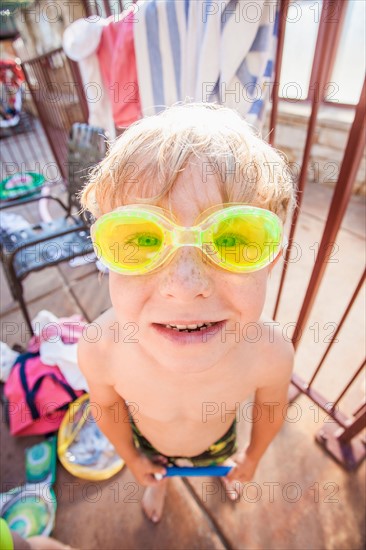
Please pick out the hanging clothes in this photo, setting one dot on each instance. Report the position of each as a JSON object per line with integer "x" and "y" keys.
{"x": 11, "y": 79}
{"x": 206, "y": 51}
{"x": 104, "y": 49}
{"x": 116, "y": 54}
{"x": 80, "y": 42}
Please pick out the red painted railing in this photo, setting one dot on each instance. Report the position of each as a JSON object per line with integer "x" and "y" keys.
{"x": 342, "y": 438}
{"x": 339, "y": 439}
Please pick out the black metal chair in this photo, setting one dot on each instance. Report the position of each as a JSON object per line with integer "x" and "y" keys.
{"x": 46, "y": 244}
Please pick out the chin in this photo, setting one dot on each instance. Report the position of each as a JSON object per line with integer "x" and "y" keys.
{"x": 188, "y": 361}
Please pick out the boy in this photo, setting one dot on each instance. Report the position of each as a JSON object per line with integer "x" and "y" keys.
{"x": 182, "y": 297}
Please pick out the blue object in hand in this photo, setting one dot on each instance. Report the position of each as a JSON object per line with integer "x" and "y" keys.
{"x": 199, "y": 471}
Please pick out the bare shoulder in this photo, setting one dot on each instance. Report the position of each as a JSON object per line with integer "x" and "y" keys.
{"x": 95, "y": 348}
{"x": 277, "y": 353}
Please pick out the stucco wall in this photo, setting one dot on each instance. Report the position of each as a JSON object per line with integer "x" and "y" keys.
{"x": 330, "y": 139}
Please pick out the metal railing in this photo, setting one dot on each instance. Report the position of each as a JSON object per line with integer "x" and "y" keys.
{"x": 48, "y": 72}
{"x": 104, "y": 8}
{"x": 25, "y": 148}
{"x": 57, "y": 91}
{"x": 339, "y": 439}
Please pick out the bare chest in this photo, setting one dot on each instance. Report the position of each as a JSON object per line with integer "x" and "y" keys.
{"x": 166, "y": 398}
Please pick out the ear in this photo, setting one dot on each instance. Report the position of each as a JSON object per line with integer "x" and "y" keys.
{"x": 279, "y": 256}
{"x": 92, "y": 229}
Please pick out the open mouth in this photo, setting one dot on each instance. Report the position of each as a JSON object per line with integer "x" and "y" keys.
{"x": 190, "y": 328}
{"x": 193, "y": 332}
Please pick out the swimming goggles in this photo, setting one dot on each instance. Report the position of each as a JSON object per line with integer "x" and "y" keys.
{"x": 137, "y": 239}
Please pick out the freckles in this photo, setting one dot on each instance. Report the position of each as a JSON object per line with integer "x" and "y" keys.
{"x": 246, "y": 287}
{"x": 188, "y": 279}
{"x": 187, "y": 270}
{"x": 121, "y": 288}
{"x": 257, "y": 290}
{"x": 168, "y": 280}
{"x": 195, "y": 274}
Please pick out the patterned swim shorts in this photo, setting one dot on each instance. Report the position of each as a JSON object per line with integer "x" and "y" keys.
{"x": 216, "y": 454}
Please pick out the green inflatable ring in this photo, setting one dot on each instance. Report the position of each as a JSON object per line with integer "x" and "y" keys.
{"x": 20, "y": 185}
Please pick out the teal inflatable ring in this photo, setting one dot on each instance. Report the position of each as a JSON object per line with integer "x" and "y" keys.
{"x": 20, "y": 185}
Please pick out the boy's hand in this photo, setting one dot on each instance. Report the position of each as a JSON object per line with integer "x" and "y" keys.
{"x": 244, "y": 467}
{"x": 144, "y": 469}
{"x": 243, "y": 471}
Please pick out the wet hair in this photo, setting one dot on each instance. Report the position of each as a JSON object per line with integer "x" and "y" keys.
{"x": 143, "y": 164}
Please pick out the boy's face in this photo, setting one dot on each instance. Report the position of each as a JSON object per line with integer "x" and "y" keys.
{"x": 188, "y": 291}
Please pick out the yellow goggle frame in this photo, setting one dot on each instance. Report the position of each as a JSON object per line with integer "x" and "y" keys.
{"x": 137, "y": 239}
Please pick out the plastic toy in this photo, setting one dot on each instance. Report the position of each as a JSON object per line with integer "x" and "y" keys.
{"x": 82, "y": 448}
{"x": 30, "y": 509}
{"x": 198, "y": 471}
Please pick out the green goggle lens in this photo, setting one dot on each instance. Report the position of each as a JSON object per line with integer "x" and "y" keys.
{"x": 247, "y": 241}
{"x": 135, "y": 240}
{"x": 131, "y": 243}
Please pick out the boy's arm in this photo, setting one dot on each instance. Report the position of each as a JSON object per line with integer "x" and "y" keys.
{"x": 113, "y": 419}
{"x": 110, "y": 408}
{"x": 112, "y": 414}
{"x": 269, "y": 411}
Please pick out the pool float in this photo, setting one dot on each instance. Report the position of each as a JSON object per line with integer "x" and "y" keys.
{"x": 82, "y": 448}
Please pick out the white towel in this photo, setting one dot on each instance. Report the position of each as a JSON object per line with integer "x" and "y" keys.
{"x": 55, "y": 352}
{"x": 65, "y": 357}
{"x": 7, "y": 360}
{"x": 80, "y": 42}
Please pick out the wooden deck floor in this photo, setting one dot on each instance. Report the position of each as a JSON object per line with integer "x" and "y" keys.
{"x": 300, "y": 498}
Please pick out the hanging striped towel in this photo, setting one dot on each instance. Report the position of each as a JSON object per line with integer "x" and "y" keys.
{"x": 220, "y": 51}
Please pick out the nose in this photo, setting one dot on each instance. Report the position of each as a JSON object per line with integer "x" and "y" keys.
{"x": 186, "y": 276}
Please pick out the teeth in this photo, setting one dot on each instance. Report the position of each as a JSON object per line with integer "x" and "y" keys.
{"x": 187, "y": 328}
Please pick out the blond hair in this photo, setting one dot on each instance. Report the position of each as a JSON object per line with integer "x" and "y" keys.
{"x": 145, "y": 161}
